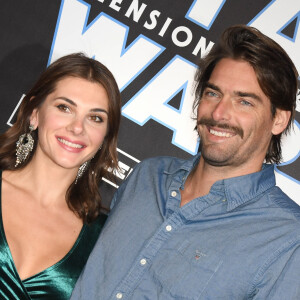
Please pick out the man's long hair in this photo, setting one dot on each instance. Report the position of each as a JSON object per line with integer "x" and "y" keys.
{"x": 275, "y": 72}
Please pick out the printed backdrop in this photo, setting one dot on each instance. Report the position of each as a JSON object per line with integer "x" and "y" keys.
{"x": 152, "y": 48}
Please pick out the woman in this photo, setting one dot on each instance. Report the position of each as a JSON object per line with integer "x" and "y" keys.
{"x": 52, "y": 160}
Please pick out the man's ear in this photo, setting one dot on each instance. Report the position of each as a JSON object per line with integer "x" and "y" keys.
{"x": 281, "y": 121}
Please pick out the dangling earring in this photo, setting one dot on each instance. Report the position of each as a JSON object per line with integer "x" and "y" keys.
{"x": 81, "y": 170}
{"x": 24, "y": 146}
{"x": 93, "y": 172}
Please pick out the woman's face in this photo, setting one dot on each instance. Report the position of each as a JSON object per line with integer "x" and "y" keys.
{"x": 72, "y": 122}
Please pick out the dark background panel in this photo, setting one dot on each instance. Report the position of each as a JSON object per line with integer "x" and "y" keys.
{"x": 27, "y": 30}
{"x": 26, "y": 33}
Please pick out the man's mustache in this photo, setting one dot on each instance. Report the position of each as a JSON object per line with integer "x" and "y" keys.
{"x": 212, "y": 123}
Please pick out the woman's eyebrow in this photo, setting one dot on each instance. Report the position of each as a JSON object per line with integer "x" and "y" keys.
{"x": 74, "y": 104}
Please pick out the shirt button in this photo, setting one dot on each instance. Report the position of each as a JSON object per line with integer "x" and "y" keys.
{"x": 143, "y": 261}
{"x": 119, "y": 296}
{"x": 173, "y": 194}
{"x": 168, "y": 227}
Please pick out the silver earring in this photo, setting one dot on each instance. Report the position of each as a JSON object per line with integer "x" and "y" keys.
{"x": 24, "y": 146}
{"x": 81, "y": 170}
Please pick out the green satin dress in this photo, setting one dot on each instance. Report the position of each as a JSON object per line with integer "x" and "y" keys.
{"x": 57, "y": 281}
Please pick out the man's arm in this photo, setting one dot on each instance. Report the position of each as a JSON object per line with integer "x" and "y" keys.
{"x": 279, "y": 277}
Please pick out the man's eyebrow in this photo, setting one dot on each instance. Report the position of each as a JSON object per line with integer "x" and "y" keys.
{"x": 212, "y": 86}
{"x": 237, "y": 93}
{"x": 74, "y": 104}
{"x": 248, "y": 95}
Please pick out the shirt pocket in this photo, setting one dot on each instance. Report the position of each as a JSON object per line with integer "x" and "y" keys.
{"x": 184, "y": 270}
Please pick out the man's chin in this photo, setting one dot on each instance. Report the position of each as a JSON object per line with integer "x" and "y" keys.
{"x": 216, "y": 163}
{"x": 216, "y": 159}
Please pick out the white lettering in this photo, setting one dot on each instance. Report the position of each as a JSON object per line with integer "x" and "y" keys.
{"x": 134, "y": 8}
{"x": 114, "y": 3}
{"x": 104, "y": 39}
{"x": 122, "y": 171}
{"x": 165, "y": 27}
{"x": 298, "y": 101}
{"x": 204, "y": 12}
{"x": 291, "y": 144}
{"x": 290, "y": 186}
{"x": 278, "y": 14}
{"x": 152, "y": 102}
{"x": 189, "y": 36}
{"x": 201, "y": 46}
{"x": 15, "y": 111}
{"x": 153, "y": 16}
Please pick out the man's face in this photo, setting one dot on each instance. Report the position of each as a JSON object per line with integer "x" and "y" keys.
{"x": 235, "y": 123}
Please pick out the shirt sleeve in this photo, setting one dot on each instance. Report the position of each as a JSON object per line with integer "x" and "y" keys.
{"x": 279, "y": 277}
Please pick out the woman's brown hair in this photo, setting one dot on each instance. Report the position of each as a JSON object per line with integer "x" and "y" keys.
{"x": 83, "y": 198}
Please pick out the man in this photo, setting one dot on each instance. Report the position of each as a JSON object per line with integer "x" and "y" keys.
{"x": 215, "y": 226}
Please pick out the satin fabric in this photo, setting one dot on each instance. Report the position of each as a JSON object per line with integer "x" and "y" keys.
{"x": 55, "y": 282}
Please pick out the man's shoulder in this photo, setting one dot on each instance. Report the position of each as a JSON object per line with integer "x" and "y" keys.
{"x": 163, "y": 164}
{"x": 283, "y": 202}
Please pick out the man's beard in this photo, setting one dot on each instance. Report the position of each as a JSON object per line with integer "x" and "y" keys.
{"x": 217, "y": 159}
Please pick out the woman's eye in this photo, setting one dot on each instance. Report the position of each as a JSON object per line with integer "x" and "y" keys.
{"x": 96, "y": 119}
{"x": 63, "y": 107}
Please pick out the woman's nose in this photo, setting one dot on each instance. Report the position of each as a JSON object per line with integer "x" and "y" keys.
{"x": 76, "y": 126}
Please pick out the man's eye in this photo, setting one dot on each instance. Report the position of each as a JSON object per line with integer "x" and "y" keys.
{"x": 211, "y": 94}
{"x": 63, "y": 107}
{"x": 246, "y": 103}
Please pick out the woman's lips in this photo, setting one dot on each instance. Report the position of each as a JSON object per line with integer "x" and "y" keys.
{"x": 73, "y": 146}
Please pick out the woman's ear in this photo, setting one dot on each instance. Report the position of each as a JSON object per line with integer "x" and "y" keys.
{"x": 34, "y": 120}
{"x": 281, "y": 121}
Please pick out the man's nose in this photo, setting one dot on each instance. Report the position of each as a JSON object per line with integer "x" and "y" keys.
{"x": 223, "y": 110}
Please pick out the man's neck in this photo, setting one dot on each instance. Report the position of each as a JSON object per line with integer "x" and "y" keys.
{"x": 201, "y": 179}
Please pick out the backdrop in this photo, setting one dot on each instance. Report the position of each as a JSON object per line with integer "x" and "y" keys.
{"x": 152, "y": 48}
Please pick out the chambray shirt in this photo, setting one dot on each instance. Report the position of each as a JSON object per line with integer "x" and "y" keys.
{"x": 241, "y": 241}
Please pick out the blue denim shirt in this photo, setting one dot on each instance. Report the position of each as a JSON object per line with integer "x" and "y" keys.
{"x": 241, "y": 241}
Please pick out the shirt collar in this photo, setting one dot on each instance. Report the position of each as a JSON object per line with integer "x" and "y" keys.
{"x": 237, "y": 190}
{"x": 241, "y": 189}
{"x": 185, "y": 165}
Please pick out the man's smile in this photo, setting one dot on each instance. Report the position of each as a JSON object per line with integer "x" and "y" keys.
{"x": 220, "y": 133}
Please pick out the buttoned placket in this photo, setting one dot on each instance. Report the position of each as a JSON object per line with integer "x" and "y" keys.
{"x": 175, "y": 220}
{"x": 144, "y": 260}
{"x": 174, "y": 196}
{"x": 172, "y": 222}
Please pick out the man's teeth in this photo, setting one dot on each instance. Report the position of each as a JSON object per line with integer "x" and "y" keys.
{"x": 70, "y": 144}
{"x": 220, "y": 133}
